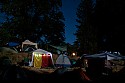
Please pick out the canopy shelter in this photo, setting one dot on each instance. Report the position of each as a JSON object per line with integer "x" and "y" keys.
{"x": 27, "y": 42}
{"x": 61, "y": 48}
{"x": 42, "y": 58}
{"x": 101, "y": 63}
{"x": 105, "y": 55}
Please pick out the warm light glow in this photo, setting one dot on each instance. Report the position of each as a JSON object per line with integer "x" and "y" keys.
{"x": 73, "y": 54}
{"x": 35, "y": 54}
{"x": 40, "y": 55}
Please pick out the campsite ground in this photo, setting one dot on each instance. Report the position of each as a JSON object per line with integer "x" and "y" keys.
{"x": 62, "y": 75}
{"x": 55, "y": 75}
{"x": 73, "y": 75}
{"x": 50, "y": 75}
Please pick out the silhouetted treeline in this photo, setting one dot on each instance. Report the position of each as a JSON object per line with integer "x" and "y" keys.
{"x": 39, "y": 21}
{"x": 101, "y": 26}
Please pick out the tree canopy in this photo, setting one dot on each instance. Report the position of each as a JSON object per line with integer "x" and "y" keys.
{"x": 36, "y": 20}
{"x": 86, "y": 33}
{"x": 110, "y": 22}
{"x": 100, "y": 26}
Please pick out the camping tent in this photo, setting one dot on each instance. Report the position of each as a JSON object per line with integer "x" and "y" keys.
{"x": 63, "y": 61}
{"x": 12, "y": 44}
{"x": 27, "y": 42}
{"x": 7, "y": 50}
{"x": 42, "y": 58}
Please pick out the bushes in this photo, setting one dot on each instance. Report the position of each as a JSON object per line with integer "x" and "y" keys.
{"x": 10, "y": 56}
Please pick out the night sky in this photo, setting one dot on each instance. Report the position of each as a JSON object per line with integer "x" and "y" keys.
{"x": 2, "y": 17}
{"x": 69, "y": 8}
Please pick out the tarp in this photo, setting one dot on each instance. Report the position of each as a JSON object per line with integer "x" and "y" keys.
{"x": 42, "y": 58}
{"x": 105, "y": 55}
{"x": 61, "y": 48}
{"x": 12, "y": 44}
{"x": 63, "y": 61}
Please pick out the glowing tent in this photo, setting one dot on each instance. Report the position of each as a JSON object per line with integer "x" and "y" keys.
{"x": 42, "y": 58}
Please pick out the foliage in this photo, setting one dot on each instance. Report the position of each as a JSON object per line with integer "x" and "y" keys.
{"x": 110, "y": 24}
{"x": 11, "y": 56}
{"x": 100, "y": 26}
{"x": 86, "y": 33}
{"x": 4, "y": 35}
{"x": 36, "y": 20}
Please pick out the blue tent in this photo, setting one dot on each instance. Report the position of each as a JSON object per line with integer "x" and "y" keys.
{"x": 13, "y": 44}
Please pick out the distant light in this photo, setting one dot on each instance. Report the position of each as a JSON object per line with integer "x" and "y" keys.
{"x": 73, "y": 54}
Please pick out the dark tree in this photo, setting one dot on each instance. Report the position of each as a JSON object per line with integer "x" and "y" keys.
{"x": 36, "y": 20}
{"x": 110, "y": 22}
{"x": 86, "y": 33}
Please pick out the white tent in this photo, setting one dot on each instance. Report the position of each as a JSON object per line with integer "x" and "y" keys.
{"x": 27, "y": 42}
{"x": 41, "y": 58}
{"x": 63, "y": 61}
